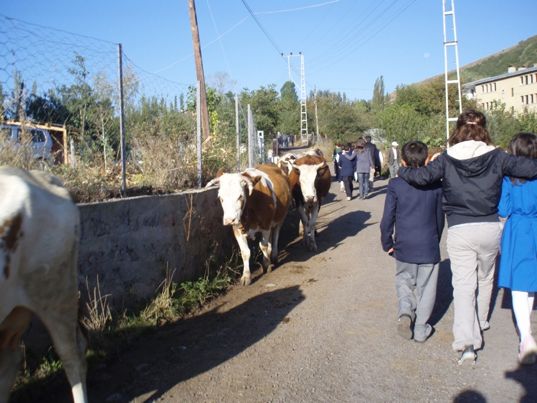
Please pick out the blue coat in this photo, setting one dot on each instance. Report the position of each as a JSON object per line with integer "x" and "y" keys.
{"x": 415, "y": 215}
{"x": 518, "y": 261}
{"x": 347, "y": 164}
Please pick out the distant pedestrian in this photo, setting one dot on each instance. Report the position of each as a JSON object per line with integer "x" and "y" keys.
{"x": 518, "y": 263}
{"x": 364, "y": 163}
{"x": 471, "y": 170}
{"x": 336, "y": 156}
{"x": 415, "y": 215}
{"x": 393, "y": 159}
{"x": 375, "y": 157}
{"x": 347, "y": 167}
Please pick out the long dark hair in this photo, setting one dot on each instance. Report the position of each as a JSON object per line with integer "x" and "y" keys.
{"x": 524, "y": 144}
{"x": 471, "y": 125}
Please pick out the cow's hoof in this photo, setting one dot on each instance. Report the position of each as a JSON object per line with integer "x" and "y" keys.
{"x": 312, "y": 246}
{"x": 270, "y": 267}
{"x": 246, "y": 280}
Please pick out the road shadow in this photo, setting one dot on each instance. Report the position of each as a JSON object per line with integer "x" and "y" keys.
{"x": 329, "y": 235}
{"x": 525, "y": 375}
{"x": 161, "y": 357}
{"x": 469, "y": 396}
{"x": 444, "y": 292}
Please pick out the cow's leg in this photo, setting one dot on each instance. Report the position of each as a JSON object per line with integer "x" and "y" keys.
{"x": 304, "y": 221}
{"x": 311, "y": 229}
{"x": 70, "y": 345}
{"x": 10, "y": 362}
{"x": 266, "y": 248}
{"x": 242, "y": 240}
{"x": 275, "y": 240}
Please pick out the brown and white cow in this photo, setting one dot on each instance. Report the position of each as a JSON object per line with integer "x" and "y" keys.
{"x": 309, "y": 177}
{"x": 255, "y": 201}
{"x": 39, "y": 235}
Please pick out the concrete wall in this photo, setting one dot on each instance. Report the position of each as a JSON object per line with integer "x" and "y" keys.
{"x": 129, "y": 243}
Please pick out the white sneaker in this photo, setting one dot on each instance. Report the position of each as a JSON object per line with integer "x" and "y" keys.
{"x": 527, "y": 351}
{"x": 348, "y": 198}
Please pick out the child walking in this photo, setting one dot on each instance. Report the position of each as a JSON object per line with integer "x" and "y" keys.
{"x": 472, "y": 170}
{"x": 518, "y": 262}
{"x": 417, "y": 217}
{"x": 347, "y": 166}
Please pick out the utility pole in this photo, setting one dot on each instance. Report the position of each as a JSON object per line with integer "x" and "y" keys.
{"x": 316, "y": 116}
{"x": 303, "y": 95}
{"x": 199, "y": 68}
{"x": 451, "y": 43}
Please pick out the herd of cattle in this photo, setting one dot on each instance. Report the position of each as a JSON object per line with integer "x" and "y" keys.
{"x": 38, "y": 215}
{"x": 257, "y": 200}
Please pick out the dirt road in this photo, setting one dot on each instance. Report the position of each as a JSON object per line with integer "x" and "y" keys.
{"x": 320, "y": 328}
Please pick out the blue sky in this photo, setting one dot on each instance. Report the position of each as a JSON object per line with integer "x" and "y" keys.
{"x": 346, "y": 44}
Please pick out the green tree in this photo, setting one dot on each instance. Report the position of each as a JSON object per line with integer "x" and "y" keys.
{"x": 289, "y": 109}
{"x": 379, "y": 97}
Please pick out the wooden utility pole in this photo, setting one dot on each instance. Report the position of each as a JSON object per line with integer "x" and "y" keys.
{"x": 199, "y": 69}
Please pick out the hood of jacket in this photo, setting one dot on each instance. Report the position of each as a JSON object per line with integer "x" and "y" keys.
{"x": 472, "y": 158}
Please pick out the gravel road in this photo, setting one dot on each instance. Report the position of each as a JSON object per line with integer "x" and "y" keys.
{"x": 320, "y": 328}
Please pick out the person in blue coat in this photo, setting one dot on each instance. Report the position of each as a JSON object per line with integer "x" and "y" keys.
{"x": 410, "y": 230}
{"x": 518, "y": 262}
{"x": 347, "y": 166}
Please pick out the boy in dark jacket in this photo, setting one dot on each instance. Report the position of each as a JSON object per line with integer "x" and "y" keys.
{"x": 417, "y": 217}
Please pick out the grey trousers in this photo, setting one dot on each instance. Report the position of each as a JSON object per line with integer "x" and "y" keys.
{"x": 394, "y": 168}
{"x": 416, "y": 290}
{"x": 472, "y": 250}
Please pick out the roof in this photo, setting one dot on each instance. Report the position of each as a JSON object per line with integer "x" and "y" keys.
{"x": 502, "y": 76}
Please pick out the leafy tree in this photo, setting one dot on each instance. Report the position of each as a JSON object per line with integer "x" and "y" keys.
{"x": 289, "y": 110}
{"x": 379, "y": 96}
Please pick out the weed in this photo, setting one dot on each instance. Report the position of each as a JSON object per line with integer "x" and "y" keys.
{"x": 98, "y": 309}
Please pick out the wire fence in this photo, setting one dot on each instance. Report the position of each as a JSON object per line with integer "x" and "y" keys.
{"x": 68, "y": 85}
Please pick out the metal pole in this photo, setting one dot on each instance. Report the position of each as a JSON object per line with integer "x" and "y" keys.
{"x": 251, "y": 142}
{"x": 237, "y": 131}
{"x": 198, "y": 130}
{"x": 122, "y": 123}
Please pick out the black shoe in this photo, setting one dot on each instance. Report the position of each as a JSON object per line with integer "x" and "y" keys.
{"x": 468, "y": 354}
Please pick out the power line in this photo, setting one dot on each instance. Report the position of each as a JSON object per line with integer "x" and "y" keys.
{"x": 261, "y": 27}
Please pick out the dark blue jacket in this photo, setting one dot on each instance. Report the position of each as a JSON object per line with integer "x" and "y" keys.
{"x": 347, "y": 164}
{"x": 415, "y": 213}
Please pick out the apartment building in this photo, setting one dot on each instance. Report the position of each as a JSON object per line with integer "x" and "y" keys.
{"x": 516, "y": 89}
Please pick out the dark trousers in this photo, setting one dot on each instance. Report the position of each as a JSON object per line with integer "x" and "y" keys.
{"x": 347, "y": 182}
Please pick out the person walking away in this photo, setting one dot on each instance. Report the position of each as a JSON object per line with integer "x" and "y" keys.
{"x": 393, "y": 159}
{"x": 364, "y": 163}
{"x": 374, "y": 152}
{"x": 347, "y": 166}
{"x": 471, "y": 170}
{"x": 518, "y": 261}
{"x": 415, "y": 215}
{"x": 337, "y": 154}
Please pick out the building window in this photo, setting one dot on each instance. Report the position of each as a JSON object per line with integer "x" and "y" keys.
{"x": 494, "y": 86}
{"x": 531, "y": 98}
{"x": 522, "y": 99}
{"x": 521, "y": 80}
{"x": 512, "y": 92}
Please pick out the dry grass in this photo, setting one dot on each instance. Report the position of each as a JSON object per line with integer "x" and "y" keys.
{"x": 98, "y": 310}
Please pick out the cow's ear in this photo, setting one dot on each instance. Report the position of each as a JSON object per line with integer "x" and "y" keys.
{"x": 322, "y": 166}
{"x": 249, "y": 182}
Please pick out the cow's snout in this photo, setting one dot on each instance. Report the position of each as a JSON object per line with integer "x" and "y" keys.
{"x": 310, "y": 199}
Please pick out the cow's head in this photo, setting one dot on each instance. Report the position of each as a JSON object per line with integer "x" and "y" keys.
{"x": 307, "y": 177}
{"x": 235, "y": 188}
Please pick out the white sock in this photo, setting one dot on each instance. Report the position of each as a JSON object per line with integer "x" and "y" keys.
{"x": 522, "y": 310}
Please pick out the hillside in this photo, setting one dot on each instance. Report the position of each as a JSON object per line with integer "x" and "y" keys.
{"x": 523, "y": 54}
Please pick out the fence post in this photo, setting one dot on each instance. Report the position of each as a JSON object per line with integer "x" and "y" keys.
{"x": 251, "y": 140}
{"x": 237, "y": 131}
{"x": 122, "y": 123}
{"x": 198, "y": 131}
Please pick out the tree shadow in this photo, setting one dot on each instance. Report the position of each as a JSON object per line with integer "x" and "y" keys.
{"x": 525, "y": 376}
{"x": 444, "y": 292}
{"x": 161, "y": 357}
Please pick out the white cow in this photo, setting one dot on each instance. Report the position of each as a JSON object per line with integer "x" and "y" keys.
{"x": 39, "y": 235}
